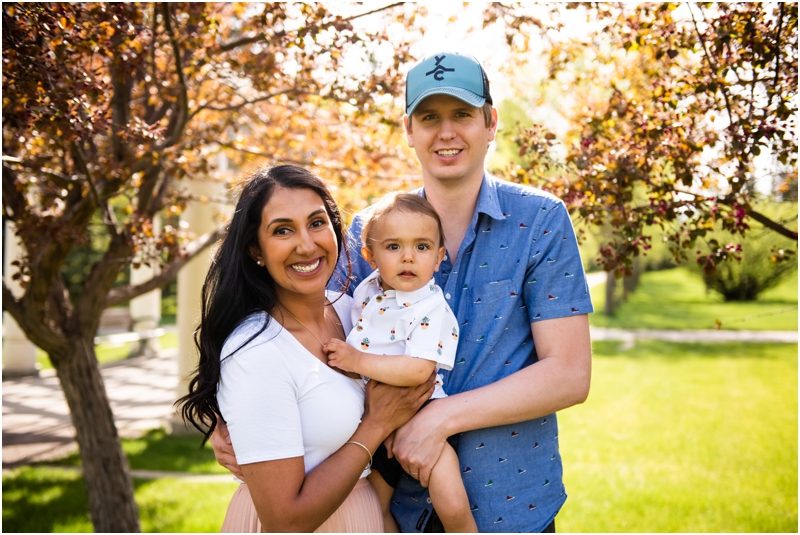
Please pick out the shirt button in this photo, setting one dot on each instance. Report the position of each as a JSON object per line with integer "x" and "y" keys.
{"x": 447, "y": 295}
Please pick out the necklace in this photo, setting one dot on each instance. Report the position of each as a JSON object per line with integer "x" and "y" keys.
{"x": 325, "y": 318}
{"x": 339, "y": 330}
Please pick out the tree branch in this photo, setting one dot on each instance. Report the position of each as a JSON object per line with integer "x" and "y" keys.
{"x": 13, "y": 200}
{"x": 108, "y": 214}
{"x": 243, "y": 41}
{"x": 175, "y": 129}
{"x": 121, "y": 295}
{"x": 775, "y": 90}
{"x": 772, "y": 225}
{"x": 35, "y": 328}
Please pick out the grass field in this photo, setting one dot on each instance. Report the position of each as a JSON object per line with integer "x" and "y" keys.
{"x": 673, "y": 438}
{"x": 677, "y": 299}
{"x": 684, "y": 437}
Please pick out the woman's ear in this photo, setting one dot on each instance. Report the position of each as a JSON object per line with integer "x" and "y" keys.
{"x": 255, "y": 254}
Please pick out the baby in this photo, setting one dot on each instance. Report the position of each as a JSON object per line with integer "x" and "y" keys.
{"x": 403, "y": 329}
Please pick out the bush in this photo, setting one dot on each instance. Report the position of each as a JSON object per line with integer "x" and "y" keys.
{"x": 761, "y": 267}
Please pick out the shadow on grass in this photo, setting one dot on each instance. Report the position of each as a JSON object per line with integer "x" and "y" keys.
{"x": 48, "y": 500}
{"x": 157, "y": 450}
{"x": 693, "y": 350}
{"x": 40, "y": 500}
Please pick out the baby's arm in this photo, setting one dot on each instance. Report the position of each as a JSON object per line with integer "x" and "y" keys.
{"x": 397, "y": 370}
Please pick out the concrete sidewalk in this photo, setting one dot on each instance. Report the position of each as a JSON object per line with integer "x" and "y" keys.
{"x": 37, "y": 427}
{"x": 36, "y": 422}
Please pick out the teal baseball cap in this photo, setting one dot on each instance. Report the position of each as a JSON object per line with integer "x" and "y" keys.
{"x": 447, "y": 73}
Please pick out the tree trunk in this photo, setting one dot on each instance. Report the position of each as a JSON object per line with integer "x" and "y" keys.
{"x": 611, "y": 286}
{"x": 105, "y": 467}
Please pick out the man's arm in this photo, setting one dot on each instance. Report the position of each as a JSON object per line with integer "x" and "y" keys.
{"x": 559, "y": 379}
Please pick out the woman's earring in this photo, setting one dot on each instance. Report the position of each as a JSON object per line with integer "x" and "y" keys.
{"x": 258, "y": 262}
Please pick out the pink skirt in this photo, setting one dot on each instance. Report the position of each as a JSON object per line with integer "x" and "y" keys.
{"x": 360, "y": 513}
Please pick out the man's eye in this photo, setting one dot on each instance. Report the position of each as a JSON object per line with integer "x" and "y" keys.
{"x": 429, "y": 117}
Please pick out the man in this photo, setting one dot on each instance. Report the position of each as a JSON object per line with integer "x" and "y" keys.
{"x": 514, "y": 279}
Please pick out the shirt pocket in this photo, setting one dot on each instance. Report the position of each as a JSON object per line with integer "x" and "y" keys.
{"x": 487, "y": 304}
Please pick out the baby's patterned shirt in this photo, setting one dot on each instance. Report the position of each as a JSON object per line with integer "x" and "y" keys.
{"x": 418, "y": 324}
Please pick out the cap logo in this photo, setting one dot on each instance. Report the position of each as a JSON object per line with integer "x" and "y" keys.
{"x": 439, "y": 69}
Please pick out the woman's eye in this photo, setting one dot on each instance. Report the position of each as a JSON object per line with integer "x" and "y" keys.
{"x": 280, "y": 231}
{"x": 318, "y": 223}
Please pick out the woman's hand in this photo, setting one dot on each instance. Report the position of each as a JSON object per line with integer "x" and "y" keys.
{"x": 392, "y": 406}
{"x": 223, "y": 449}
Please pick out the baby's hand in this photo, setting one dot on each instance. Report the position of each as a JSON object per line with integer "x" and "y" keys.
{"x": 342, "y": 355}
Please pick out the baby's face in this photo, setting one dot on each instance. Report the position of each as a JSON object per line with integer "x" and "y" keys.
{"x": 405, "y": 248}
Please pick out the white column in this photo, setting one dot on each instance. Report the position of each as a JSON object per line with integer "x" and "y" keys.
{"x": 146, "y": 309}
{"x": 19, "y": 354}
{"x": 200, "y": 218}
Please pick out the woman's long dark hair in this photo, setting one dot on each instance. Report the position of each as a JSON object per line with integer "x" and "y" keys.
{"x": 236, "y": 287}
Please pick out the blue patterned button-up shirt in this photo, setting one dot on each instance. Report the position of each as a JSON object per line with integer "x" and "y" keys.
{"x": 518, "y": 263}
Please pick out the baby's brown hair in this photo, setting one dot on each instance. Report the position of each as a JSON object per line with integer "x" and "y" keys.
{"x": 401, "y": 202}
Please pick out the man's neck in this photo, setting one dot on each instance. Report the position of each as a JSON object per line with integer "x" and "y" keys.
{"x": 455, "y": 203}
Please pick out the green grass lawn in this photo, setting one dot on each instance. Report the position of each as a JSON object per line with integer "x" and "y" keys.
{"x": 684, "y": 437}
{"x": 49, "y": 500}
{"x": 43, "y": 499}
{"x": 673, "y": 438}
{"x": 677, "y": 299}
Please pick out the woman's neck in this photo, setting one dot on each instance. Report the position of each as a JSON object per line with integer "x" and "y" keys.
{"x": 307, "y": 309}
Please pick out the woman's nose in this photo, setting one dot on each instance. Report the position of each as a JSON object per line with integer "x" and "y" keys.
{"x": 306, "y": 244}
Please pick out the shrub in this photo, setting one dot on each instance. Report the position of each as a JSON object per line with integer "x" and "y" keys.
{"x": 766, "y": 259}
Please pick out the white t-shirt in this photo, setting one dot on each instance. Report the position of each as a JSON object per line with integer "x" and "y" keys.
{"x": 280, "y": 401}
{"x": 418, "y": 324}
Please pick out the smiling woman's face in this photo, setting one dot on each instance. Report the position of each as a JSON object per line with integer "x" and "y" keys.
{"x": 297, "y": 243}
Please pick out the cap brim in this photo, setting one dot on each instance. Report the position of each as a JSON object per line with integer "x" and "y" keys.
{"x": 476, "y": 101}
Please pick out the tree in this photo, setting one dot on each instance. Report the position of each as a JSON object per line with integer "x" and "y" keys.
{"x": 670, "y": 104}
{"x": 107, "y": 106}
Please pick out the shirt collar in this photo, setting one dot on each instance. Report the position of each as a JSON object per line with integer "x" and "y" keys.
{"x": 403, "y": 298}
{"x": 488, "y": 203}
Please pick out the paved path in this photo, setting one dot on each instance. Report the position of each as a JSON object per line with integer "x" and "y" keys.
{"x": 36, "y": 423}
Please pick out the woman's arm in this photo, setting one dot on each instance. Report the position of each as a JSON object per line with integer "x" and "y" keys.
{"x": 287, "y": 499}
{"x": 397, "y": 370}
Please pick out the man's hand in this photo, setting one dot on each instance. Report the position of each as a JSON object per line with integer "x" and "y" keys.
{"x": 418, "y": 444}
{"x": 342, "y": 355}
{"x": 223, "y": 449}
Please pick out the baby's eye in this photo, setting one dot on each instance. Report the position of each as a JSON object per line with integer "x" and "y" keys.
{"x": 392, "y": 247}
{"x": 423, "y": 246}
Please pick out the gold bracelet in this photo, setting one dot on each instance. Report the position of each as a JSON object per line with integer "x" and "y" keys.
{"x": 365, "y": 449}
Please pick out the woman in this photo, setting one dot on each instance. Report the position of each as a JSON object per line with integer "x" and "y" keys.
{"x": 302, "y": 431}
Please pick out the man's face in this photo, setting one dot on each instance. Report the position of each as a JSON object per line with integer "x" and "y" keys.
{"x": 450, "y": 138}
